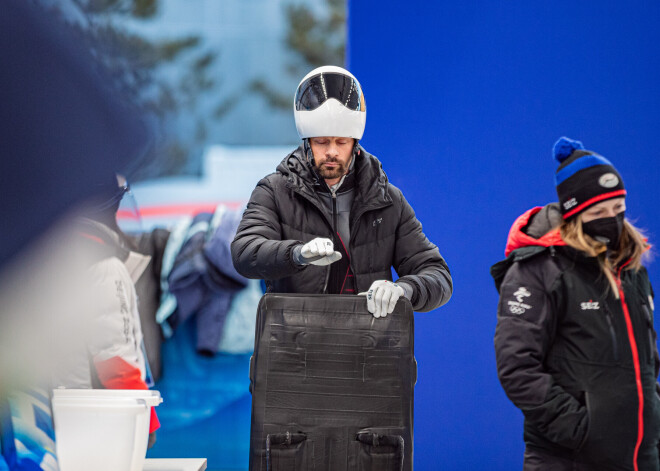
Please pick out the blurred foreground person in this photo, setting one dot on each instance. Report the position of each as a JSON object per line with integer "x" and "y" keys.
{"x": 80, "y": 329}
{"x": 575, "y": 343}
{"x": 63, "y": 125}
{"x": 116, "y": 344}
{"x": 329, "y": 221}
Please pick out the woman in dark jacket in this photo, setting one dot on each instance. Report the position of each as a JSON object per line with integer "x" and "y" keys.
{"x": 575, "y": 343}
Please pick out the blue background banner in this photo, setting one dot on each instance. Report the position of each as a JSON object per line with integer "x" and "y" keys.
{"x": 464, "y": 103}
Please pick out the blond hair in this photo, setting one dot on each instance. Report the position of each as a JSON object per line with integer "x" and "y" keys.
{"x": 632, "y": 246}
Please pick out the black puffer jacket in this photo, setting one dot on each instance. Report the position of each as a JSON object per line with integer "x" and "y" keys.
{"x": 285, "y": 210}
{"x": 579, "y": 363}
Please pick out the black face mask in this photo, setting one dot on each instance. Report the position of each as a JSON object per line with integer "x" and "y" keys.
{"x": 606, "y": 230}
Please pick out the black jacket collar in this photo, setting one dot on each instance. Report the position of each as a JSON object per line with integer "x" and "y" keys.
{"x": 369, "y": 178}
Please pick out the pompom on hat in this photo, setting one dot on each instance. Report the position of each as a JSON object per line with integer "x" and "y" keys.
{"x": 583, "y": 177}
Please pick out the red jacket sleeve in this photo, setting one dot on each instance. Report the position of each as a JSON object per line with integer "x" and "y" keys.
{"x": 116, "y": 373}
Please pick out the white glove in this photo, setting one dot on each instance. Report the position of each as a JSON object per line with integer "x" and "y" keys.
{"x": 382, "y": 297}
{"x": 319, "y": 251}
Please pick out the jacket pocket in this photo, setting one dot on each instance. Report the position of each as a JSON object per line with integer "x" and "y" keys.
{"x": 612, "y": 427}
{"x": 380, "y": 450}
{"x": 586, "y": 434}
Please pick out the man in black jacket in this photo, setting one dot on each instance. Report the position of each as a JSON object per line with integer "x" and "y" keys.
{"x": 328, "y": 220}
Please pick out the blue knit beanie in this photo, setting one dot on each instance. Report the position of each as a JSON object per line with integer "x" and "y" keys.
{"x": 583, "y": 178}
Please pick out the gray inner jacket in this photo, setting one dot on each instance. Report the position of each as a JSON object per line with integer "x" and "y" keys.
{"x": 344, "y": 201}
{"x": 285, "y": 210}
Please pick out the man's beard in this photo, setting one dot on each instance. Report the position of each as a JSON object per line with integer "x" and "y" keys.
{"x": 331, "y": 173}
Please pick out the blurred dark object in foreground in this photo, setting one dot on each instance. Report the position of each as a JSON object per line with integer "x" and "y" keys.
{"x": 61, "y": 124}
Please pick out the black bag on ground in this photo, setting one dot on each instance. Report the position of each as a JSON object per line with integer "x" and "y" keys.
{"x": 332, "y": 386}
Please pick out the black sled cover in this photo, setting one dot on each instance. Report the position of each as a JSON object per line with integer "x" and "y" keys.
{"x": 332, "y": 386}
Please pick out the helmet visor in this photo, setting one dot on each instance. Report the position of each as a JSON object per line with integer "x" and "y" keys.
{"x": 318, "y": 89}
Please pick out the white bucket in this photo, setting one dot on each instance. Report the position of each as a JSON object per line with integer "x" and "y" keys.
{"x": 150, "y": 396}
{"x": 102, "y": 429}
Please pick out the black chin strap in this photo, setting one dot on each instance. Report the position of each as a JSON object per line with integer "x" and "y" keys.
{"x": 309, "y": 155}
{"x": 356, "y": 152}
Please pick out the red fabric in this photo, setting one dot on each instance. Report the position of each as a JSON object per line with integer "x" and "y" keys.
{"x": 517, "y": 238}
{"x": 348, "y": 269}
{"x": 154, "y": 423}
{"x": 117, "y": 373}
{"x": 179, "y": 209}
{"x": 638, "y": 376}
{"x": 94, "y": 238}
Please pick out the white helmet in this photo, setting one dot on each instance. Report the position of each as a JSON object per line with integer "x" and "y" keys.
{"x": 329, "y": 102}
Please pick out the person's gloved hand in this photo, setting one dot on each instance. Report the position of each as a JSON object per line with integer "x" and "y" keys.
{"x": 382, "y": 297}
{"x": 319, "y": 251}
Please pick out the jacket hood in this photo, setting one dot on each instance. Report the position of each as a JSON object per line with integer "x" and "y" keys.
{"x": 536, "y": 227}
{"x": 295, "y": 164}
{"x": 371, "y": 179}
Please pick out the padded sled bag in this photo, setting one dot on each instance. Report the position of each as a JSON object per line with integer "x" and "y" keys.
{"x": 332, "y": 386}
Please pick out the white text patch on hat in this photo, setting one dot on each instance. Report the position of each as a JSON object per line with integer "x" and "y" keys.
{"x": 570, "y": 203}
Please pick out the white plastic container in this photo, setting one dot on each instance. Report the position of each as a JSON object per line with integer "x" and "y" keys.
{"x": 152, "y": 397}
{"x": 102, "y": 429}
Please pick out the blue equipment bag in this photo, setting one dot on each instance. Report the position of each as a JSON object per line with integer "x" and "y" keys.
{"x": 332, "y": 386}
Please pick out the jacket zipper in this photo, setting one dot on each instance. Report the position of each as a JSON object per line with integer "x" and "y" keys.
{"x": 357, "y": 216}
{"x": 635, "y": 358}
{"x": 333, "y": 192}
{"x": 649, "y": 327}
{"x": 615, "y": 346}
{"x": 318, "y": 206}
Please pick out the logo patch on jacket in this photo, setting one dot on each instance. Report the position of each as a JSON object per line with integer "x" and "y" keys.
{"x": 590, "y": 306}
{"x": 521, "y": 294}
{"x": 519, "y": 307}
